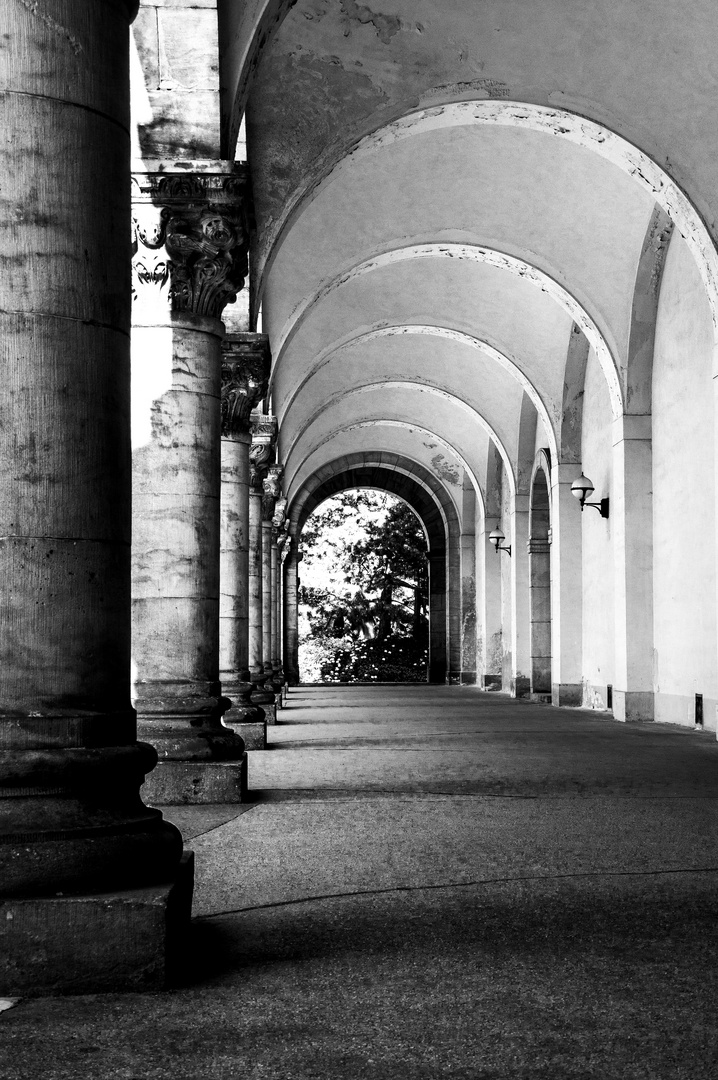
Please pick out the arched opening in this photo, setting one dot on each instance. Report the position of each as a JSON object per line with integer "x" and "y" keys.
{"x": 363, "y": 597}
{"x": 540, "y": 585}
{"x": 429, "y": 500}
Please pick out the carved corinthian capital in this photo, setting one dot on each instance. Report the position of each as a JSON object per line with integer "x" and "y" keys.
{"x": 272, "y": 491}
{"x": 190, "y": 236}
{"x": 246, "y": 363}
{"x": 280, "y": 509}
{"x": 261, "y": 452}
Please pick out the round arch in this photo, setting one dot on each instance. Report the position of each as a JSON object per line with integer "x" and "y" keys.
{"x": 437, "y": 513}
{"x": 474, "y": 253}
{"x": 556, "y": 122}
{"x": 429, "y": 330}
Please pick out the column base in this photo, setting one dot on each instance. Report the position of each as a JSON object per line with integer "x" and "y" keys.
{"x": 491, "y": 682}
{"x": 185, "y": 783}
{"x": 270, "y": 713}
{"x": 633, "y": 706}
{"x": 520, "y": 686}
{"x": 254, "y": 734}
{"x": 125, "y": 940}
{"x": 468, "y": 678}
{"x": 570, "y": 695}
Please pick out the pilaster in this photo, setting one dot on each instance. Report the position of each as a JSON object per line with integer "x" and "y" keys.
{"x": 631, "y": 525}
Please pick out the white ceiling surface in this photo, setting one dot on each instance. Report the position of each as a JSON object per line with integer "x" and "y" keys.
{"x": 434, "y": 272}
{"x": 408, "y": 442}
{"x": 453, "y": 367}
{"x": 543, "y": 199}
{"x": 490, "y": 304}
{"x": 417, "y": 410}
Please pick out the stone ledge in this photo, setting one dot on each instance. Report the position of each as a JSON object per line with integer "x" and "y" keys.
{"x": 182, "y": 783}
{"x": 126, "y": 940}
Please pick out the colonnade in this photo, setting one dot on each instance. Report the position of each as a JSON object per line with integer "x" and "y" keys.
{"x": 98, "y": 597}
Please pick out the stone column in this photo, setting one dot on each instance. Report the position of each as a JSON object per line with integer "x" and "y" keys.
{"x": 277, "y": 533}
{"x": 73, "y": 829}
{"x": 245, "y": 371}
{"x": 280, "y": 526}
{"x": 264, "y": 432}
{"x": 291, "y": 613}
{"x": 271, "y": 493}
{"x": 190, "y": 260}
{"x": 631, "y": 523}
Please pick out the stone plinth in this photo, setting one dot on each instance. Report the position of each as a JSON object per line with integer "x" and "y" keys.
{"x": 182, "y": 783}
{"x": 124, "y": 940}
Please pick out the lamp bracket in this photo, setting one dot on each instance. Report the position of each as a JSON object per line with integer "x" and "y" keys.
{"x": 601, "y": 506}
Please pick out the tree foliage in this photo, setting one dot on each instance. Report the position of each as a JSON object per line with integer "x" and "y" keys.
{"x": 363, "y": 582}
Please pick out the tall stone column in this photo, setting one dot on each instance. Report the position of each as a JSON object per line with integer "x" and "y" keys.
{"x": 277, "y": 518}
{"x": 190, "y": 260}
{"x": 278, "y": 545}
{"x": 291, "y": 612}
{"x": 271, "y": 493}
{"x": 264, "y": 433}
{"x": 245, "y": 371}
{"x": 73, "y": 828}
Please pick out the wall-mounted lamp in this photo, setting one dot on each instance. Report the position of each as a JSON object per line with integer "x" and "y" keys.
{"x": 496, "y": 537}
{"x": 582, "y": 488}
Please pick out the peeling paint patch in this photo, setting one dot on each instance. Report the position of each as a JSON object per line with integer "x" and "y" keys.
{"x": 386, "y": 26}
{"x": 493, "y": 88}
{"x": 445, "y": 470}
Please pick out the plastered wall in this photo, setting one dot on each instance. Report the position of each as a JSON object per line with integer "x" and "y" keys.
{"x": 683, "y": 496}
{"x": 598, "y": 612}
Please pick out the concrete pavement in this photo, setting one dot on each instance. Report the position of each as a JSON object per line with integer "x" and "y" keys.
{"x": 430, "y": 882}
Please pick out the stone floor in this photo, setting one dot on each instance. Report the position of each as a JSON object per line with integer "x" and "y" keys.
{"x": 430, "y": 882}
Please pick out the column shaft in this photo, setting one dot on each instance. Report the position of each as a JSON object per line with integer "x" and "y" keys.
{"x": 291, "y": 621}
{"x": 256, "y": 645}
{"x": 267, "y": 598}
{"x": 245, "y": 371}
{"x": 70, "y": 767}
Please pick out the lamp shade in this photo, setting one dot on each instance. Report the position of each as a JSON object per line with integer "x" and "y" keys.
{"x": 581, "y": 488}
{"x": 496, "y": 537}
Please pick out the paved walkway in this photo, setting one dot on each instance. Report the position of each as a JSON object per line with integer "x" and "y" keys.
{"x": 432, "y": 882}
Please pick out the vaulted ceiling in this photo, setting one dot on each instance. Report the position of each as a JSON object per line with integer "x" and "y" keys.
{"x": 447, "y": 196}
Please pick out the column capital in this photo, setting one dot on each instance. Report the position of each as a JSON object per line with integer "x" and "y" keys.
{"x": 280, "y": 510}
{"x": 272, "y": 491}
{"x": 246, "y": 363}
{"x": 263, "y": 429}
{"x": 190, "y": 236}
